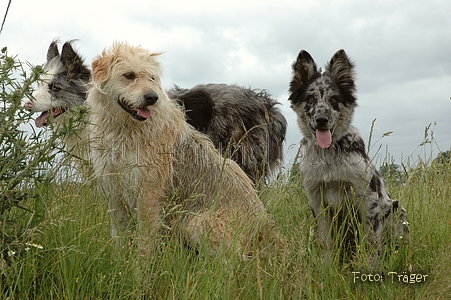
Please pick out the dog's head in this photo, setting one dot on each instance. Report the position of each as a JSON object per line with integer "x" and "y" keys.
{"x": 130, "y": 77}
{"x": 62, "y": 86}
{"x": 323, "y": 102}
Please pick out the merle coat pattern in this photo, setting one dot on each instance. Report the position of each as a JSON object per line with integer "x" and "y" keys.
{"x": 343, "y": 186}
{"x": 243, "y": 124}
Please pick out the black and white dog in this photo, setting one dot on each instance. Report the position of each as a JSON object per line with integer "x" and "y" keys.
{"x": 63, "y": 85}
{"x": 61, "y": 92}
{"x": 344, "y": 189}
{"x": 245, "y": 125}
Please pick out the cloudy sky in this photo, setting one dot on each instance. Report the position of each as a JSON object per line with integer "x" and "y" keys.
{"x": 402, "y": 50}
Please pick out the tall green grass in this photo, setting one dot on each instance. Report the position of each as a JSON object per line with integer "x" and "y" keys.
{"x": 79, "y": 260}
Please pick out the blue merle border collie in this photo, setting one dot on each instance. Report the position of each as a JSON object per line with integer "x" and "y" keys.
{"x": 345, "y": 192}
{"x": 244, "y": 124}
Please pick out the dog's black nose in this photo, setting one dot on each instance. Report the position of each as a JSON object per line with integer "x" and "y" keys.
{"x": 321, "y": 120}
{"x": 150, "y": 98}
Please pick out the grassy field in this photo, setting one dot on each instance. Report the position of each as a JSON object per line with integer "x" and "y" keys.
{"x": 70, "y": 254}
{"x": 56, "y": 242}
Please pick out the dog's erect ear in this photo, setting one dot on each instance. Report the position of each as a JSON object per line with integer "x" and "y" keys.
{"x": 101, "y": 69}
{"x": 53, "y": 51}
{"x": 74, "y": 63}
{"x": 70, "y": 58}
{"x": 304, "y": 70}
{"x": 341, "y": 69}
{"x": 68, "y": 55}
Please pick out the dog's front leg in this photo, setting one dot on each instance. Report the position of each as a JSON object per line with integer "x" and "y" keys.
{"x": 148, "y": 218}
{"x": 324, "y": 228}
{"x": 324, "y": 222}
{"x": 121, "y": 217}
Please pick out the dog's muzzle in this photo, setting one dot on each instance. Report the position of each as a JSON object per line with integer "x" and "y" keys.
{"x": 140, "y": 113}
{"x": 321, "y": 131}
{"x": 321, "y": 122}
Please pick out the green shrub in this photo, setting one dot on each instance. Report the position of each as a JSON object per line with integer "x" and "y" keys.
{"x": 26, "y": 156}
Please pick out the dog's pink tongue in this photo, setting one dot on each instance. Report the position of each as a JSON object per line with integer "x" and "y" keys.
{"x": 42, "y": 119}
{"x": 144, "y": 112}
{"x": 323, "y": 138}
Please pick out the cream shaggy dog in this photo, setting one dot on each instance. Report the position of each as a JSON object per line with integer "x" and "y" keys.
{"x": 146, "y": 155}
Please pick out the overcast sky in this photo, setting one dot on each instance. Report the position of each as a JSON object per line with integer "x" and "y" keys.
{"x": 402, "y": 50}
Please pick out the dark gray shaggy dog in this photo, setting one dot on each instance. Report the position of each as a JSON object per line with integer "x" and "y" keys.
{"x": 243, "y": 124}
{"x": 343, "y": 186}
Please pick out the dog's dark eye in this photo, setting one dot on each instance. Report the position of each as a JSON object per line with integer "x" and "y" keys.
{"x": 152, "y": 78}
{"x": 334, "y": 100}
{"x": 130, "y": 76}
{"x": 311, "y": 100}
{"x": 54, "y": 88}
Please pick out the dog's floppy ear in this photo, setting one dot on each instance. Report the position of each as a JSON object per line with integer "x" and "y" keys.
{"x": 304, "y": 71}
{"x": 53, "y": 51}
{"x": 341, "y": 69}
{"x": 101, "y": 68}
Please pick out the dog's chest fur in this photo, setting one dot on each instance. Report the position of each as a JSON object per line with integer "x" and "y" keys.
{"x": 138, "y": 156}
{"x": 342, "y": 169}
